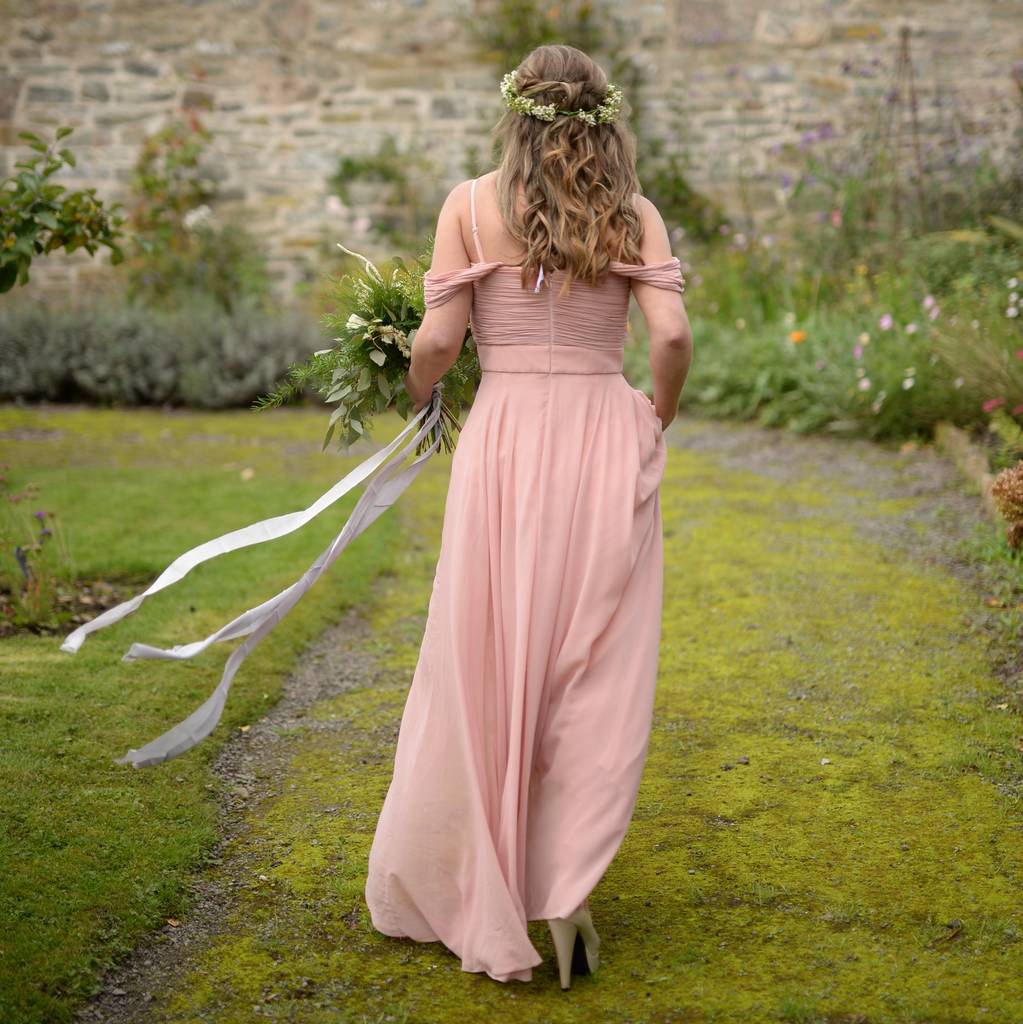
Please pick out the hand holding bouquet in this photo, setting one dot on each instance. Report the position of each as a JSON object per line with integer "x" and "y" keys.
{"x": 374, "y": 326}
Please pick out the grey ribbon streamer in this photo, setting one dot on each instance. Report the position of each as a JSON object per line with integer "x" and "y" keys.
{"x": 382, "y": 491}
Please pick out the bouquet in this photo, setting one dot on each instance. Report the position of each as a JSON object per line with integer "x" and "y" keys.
{"x": 374, "y": 325}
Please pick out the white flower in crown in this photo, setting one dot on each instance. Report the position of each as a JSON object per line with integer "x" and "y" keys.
{"x": 603, "y": 113}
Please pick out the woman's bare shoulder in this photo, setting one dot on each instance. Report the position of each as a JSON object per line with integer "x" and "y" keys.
{"x": 646, "y": 209}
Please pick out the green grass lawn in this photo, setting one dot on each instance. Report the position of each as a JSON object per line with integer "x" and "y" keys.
{"x": 93, "y": 854}
{"x": 832, "y": 781}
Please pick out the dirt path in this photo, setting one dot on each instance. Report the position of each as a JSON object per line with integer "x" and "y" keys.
{"x": 828, "y": 826}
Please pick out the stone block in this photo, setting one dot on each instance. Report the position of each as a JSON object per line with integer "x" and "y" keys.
{"x": 768, "y": 73}
{"x": 869, "y": 31}
{"x": 48, "y": 94}
{"x": 10, "y": 89}
{"x": 37, "y": 33}
{"x": 136, "y": 67}
{"x": 828, "y": 86}
{"x": 775, "y": 29}
{"x": 445, "y": 108}
{"x": 214, "y": 47}
{"x": 42, "y": 70}
{"x": 134, "y": 96}
{"x": 95, "y": 91}
{"x": 123, "y": 115}
{"x": 197, "y": 99}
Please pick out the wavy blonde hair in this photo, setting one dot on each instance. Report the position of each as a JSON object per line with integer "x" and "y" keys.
{"x": 578, "y": 178}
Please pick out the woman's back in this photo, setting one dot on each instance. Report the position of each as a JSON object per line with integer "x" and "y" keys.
{"x": 541, "y": 329}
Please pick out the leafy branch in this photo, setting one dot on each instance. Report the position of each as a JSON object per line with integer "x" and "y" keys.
{"x": 38, "y": 216}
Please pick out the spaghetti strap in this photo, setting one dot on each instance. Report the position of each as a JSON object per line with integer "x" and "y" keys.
{"x": 475, "y": 228}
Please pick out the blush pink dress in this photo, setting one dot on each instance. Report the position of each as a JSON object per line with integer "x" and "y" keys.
{"x": 525, "y": 731}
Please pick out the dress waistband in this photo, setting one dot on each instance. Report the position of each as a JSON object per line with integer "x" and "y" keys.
{"x": 542, "y": 357}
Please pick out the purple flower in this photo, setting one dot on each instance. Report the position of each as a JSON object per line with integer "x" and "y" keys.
{"x": 39, "y": 515}
{"x": 857, "y": 351}
{"x": 45, "y": 532}
{"x": 886, "y": 322}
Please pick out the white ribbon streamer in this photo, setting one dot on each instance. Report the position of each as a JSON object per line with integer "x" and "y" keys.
{"x": 378, "y": 496}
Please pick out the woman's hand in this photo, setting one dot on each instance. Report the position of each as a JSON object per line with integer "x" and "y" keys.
{"x": 419, "y": 398}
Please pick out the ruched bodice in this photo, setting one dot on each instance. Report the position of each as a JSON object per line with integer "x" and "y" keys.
{"x": 531, "y": 330}
{"x": 519, "y": 329}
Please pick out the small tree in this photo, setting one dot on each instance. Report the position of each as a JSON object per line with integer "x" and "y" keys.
{"x": 181, "y": 247}
{"x": 38, "y": 216}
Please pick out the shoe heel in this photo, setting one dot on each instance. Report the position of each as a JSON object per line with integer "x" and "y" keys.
{"x": 590, "y": 939}
{"x": 563, "y": 932}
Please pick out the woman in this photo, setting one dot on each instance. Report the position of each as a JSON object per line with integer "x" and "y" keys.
{"x": 525, "y": 731}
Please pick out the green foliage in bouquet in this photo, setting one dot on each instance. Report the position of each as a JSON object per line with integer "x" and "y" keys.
{"x": 374, "y": 325}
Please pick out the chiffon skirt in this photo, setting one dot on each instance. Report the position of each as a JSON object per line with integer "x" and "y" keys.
{"x": 525, "y": 731}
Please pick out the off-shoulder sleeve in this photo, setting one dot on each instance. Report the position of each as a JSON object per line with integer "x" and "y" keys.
{"x": 439, "y": 288}
{"x": 664, "y": 275}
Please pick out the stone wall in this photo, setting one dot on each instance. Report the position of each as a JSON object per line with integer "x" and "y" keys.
{"x": 288, "y": 86}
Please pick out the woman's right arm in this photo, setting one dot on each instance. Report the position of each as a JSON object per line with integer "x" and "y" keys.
{"x": 671, "y": 338}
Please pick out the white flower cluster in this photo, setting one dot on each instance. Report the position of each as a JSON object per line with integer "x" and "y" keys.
{"x": 198, "y": 216}
{"x": 604, "y": 113}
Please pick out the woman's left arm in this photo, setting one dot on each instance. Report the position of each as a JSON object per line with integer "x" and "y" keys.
{"x": 439, "y": 339}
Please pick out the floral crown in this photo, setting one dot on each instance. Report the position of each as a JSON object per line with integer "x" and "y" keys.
{"x": 604, "y": 113}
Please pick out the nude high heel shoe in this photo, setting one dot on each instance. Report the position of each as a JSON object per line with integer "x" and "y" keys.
{"x": 576, "y": 944}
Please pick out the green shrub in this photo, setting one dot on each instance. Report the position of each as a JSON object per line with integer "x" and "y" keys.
{"x": 182, "y": 248}
{"x": 197, "y": 355}
{"x": 38, "y": 216}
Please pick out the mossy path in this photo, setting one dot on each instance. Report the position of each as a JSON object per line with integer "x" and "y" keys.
{"x": 829, "y": 824}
